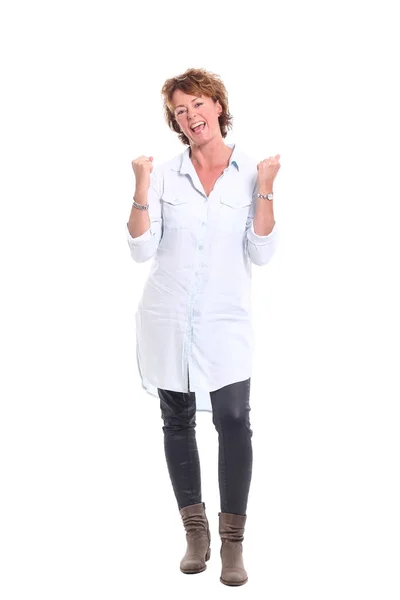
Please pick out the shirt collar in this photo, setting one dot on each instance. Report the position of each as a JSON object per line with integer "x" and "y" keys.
{"x": 185, "y": 166}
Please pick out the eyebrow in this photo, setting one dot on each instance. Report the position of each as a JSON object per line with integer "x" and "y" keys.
{"x": 183, "y": 104}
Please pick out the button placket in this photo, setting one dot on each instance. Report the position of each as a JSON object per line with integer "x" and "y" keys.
{"x": 195, "y": 289}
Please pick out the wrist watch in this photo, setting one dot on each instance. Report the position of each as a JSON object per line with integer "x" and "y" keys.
{"x": 266, "y": 196}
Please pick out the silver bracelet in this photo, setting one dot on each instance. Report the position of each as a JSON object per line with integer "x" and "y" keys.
{"x": 140, "y": 206}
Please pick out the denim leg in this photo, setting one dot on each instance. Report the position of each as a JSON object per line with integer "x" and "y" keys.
{"x": 178, "y": 411}
{"x": 231, "y": 417}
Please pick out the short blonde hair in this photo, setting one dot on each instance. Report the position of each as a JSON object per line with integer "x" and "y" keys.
{"x": 201, "y": 82}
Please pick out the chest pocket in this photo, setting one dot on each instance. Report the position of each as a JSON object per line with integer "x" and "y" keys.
{"x": 176, "y": 211}
{"x": 234, "y": 210}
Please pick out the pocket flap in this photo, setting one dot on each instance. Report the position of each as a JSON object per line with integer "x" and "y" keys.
{"x": 174, "y": 199}
{"x": 236, "y": 200}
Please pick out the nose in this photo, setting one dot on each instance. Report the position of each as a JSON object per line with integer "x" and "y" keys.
{"x": 191, "y": 114}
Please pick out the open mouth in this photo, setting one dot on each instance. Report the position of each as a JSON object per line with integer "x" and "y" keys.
{"x": 199, "y": 128}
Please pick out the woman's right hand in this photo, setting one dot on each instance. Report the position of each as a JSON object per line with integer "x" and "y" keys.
{"x": 142, "y": 167}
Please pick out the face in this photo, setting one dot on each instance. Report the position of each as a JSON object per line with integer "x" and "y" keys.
{"x": 190, "y": 109}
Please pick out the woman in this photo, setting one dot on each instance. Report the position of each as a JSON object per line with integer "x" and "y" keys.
{"x": 205, "y": 216}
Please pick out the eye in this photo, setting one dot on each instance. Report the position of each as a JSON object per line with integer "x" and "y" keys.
{"x": 181, "y": 110}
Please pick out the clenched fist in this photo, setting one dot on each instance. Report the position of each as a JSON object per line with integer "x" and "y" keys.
{"x": 142, "y": 167}
{"x": 268, "y": 170}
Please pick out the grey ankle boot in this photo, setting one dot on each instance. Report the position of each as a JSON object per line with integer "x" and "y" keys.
{"x": 198, "y": 538}
{"x": 231, "y": 530}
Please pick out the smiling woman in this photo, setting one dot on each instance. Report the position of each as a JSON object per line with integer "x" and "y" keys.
{"x": 195, "y": 91}
{"x": 197, "y": 117}
{"x": 194, "y": 334}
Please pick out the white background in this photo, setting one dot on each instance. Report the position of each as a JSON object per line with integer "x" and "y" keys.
{"x": 87, "y": 507}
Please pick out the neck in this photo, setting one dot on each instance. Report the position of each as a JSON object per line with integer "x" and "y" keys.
{"x": 211, "y": 155}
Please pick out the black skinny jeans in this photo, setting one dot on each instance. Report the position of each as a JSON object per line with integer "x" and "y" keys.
{"x": 231, "y": 408}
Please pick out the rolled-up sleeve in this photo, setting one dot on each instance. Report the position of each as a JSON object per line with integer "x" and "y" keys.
{"x": 144, "y": 246}
{"x": 261, "y": 248}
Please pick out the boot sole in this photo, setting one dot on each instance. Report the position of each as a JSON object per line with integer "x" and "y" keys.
{"x": 233, "y": 583}
{"x": 191, "y": 571}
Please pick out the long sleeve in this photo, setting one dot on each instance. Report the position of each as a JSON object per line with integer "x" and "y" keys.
{"x": 145, "y": 246}
{"x": 260, "y": 248}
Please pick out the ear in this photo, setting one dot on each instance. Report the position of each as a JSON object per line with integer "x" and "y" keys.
{"x": 219, "y": 107}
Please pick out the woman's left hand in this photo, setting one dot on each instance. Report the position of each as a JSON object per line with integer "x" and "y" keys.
{"x": 267, "y": 171}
